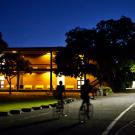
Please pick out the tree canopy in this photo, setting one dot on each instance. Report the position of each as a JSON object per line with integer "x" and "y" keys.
{"x": 3, "y": 44}
{"x": 106, "y": 51}
{"x": 12, "y": 64}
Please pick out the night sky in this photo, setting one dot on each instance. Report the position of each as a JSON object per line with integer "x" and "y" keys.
{"x": 43, "y": 23}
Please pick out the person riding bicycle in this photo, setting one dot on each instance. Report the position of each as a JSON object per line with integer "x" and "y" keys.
{"x": 85, "y": 90}
{"x": 60, "y": 92}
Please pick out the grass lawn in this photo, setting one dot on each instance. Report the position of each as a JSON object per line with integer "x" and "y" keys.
{"x": 17, "y": 102}
{"x": 27, "y": 104}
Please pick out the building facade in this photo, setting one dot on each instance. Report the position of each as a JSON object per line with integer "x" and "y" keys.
{"x": 42, "y": 76}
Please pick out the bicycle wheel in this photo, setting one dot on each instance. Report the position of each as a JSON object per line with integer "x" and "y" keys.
{"x": 66, "y": 110}
{"x": 57, "y": 111}
{"x": 82, "y": 114}
{"x": 91, "y": 111}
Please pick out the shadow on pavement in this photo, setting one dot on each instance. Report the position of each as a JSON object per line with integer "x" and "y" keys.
{"x": 26, "y": 125}
{"x": 62, "y": 129}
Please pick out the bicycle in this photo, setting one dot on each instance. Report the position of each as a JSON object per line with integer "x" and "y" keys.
{"x": 85, "y": 114}
{"x": 60, "y": 110}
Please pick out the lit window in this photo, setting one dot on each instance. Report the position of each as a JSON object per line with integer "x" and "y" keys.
{"x": 2, "y": 78}
{"x": 14, "y": 51}
{"x": 61, "y": 78}
{"x": 2, "y": 82}
{"x": 133, "y": 85}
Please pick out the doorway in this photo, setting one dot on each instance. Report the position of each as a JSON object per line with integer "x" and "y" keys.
{"x": 80, "y": 82}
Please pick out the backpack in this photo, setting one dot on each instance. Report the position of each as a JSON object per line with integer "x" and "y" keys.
{"x": 85, "y": 90}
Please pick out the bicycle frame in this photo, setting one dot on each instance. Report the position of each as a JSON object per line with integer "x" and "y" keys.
{"x": 58, "y": 110}
{"x": 84, "y": 114}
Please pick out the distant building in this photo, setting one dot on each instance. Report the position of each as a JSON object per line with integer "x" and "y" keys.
{"x": 43, "y": 75}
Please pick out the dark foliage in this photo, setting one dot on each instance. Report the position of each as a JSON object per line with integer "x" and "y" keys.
{"x": 107, "y": 52}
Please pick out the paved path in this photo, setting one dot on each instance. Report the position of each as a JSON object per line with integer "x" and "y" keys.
{"x": 106, "y": 110}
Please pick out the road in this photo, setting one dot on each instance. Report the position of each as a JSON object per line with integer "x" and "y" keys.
{"x": 113, "y": 115}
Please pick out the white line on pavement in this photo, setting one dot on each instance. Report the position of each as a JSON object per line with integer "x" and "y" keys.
{"x": 128, "y": 124}
{"x": 116, "y": 119}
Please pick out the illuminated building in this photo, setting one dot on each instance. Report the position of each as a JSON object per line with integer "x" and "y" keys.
{"x": 43, "y": 75}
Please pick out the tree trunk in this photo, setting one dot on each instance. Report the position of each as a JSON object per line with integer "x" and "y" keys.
{"x": 85, "y": 77}
{"x": 10, "y": 88}
{"x": 18, "y": 82}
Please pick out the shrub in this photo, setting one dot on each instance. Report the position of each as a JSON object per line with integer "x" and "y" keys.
{"x": 107, "y": 89}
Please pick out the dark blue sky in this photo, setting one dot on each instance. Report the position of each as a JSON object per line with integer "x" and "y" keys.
{"x": 34, "y": 23}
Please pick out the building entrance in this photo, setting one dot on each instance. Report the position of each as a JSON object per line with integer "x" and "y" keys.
{"x": 80, "y": 82}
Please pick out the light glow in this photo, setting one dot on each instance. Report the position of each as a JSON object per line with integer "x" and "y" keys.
{"x": 2, "y": 77}
{"x": 14, "y": 51}
{"x": 133, "y": 85}
{"x": 61, "y": 78}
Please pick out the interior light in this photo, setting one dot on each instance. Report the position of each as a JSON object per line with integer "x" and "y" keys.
{"x": 14, "y": 51}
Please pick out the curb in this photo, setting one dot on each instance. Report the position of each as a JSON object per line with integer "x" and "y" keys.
{"x": 13, "y": 112}
{"x": 36, "y": 108}
{"x": 45, "y": 106}
{"x": 4, "y": 113}
{"x": 53, "y": 105}
{"x": 26, "y": 109}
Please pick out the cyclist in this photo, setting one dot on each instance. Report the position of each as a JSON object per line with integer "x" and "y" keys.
{"x": 85, "y": 90}
{"x": 60, "y": 93}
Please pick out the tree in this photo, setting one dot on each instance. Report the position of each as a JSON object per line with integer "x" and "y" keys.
{"x": 74, "y": 60}
{"x": 11, "y": 64}
{"x": 3, "y": 44}
{"x": 106, "y": 52}
{"x": 112, "y": 47}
